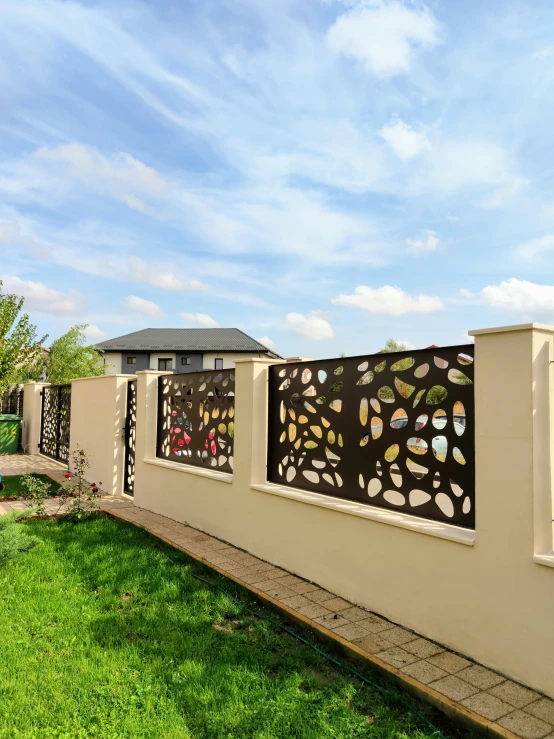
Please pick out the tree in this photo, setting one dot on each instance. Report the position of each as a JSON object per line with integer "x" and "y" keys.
{"x": 391, "y": 345}
{"x": 20, "y": 350}
{"x": 70, "y": 358}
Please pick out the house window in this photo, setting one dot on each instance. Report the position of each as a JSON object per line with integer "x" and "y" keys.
{"x": 131, "y": 360}
{"x": 185, "y": 360}
{"x": 165, "y": 364}
{"x": 219, "y": 364}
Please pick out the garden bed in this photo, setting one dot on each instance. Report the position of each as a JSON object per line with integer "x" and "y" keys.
{"x": 13, "y": 486}
{"x": 106, "y": 632}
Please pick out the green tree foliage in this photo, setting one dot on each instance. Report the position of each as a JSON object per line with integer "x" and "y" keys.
{"x": 393, "y": 346}
{"x": 20, "y": 350}
{"x": 70, "y": 358}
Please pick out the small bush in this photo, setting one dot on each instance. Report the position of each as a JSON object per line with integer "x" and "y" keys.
{"x": 34, "y": 491}
{"x": 14, "y": 540}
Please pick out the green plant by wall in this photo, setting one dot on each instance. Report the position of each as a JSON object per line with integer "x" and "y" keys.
{"x": 83, "y": 495}
{"x": 34, "y": 491}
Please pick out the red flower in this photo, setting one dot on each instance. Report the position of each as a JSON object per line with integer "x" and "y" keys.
{"x": 68, "y": 474}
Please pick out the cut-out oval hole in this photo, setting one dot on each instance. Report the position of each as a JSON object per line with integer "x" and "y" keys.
{"x": 421, "y": 421}
{"x": 294, "y": 373}
{"x": 421, "y": 371}
{"x": 445, "y": 504}
{"x": 417, "y": 470}
{"x": 392, "y": 453}
{"x": 403, "y": 364}
{"x": 399, "y": 419}
{"x": 282, "y": 373}
{"x": 436, "y": 479}
{"x": 458, "y": 377}
{"x": 375, "y": 405}
{"x": 306, "y": 376}
{"x": 418, "y": 397}
{"x": 338, "y": 370}
{"x": 376, "y": 427}
{"x": 458, "y": 456}
{"x": 417, "y": 445}
{"x": 386, "y": 394}
{"x": 381, "y": 366}
{"x": 322, "y": 376}
{"x": 459, "y": 418}
{"x": 296, "y": 399}
{"x": 366, "y": 378}
{"x": 404, "y": 388}
{"x": 395, "y": 475}
{"x": 378, "y": 468}
{"x": 465, "y": 359}
{"x": 436, "y": 395}
{"x": 440, "y": 363}
{"x": 364, "y": 409}
{"x": 440, "y": 448}
{"x": 363, "y": 366}
{"x": 456, "y": 489}
{"x": 440, "y": 419}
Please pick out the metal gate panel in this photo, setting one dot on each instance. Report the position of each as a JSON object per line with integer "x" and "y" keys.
{"x": 130, "y": 438}
{"x": 55, "y": 422}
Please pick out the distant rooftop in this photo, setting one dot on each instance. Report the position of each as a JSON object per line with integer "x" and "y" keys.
{"x": 185, "y": 340}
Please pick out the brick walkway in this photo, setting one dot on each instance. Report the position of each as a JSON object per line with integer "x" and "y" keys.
{"x": 451, "y": 681}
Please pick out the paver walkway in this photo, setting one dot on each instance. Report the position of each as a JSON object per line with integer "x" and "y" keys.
{"x": 501, "y": 706}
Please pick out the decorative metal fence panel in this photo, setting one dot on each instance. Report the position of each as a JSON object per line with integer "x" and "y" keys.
{"x": 196, "y": 419}
{"x": 55, "y": 421}
{"x": 130, "y": 438}
{"x": 11, "y": 401}
{"x": 390, "y": 430}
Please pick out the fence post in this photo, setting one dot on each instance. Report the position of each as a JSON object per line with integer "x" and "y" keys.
{"x": 514, "y": 438}
{"x": 32, "y": 408}
{"x": 98, "y": 411}
{"x": 251, "y": 420}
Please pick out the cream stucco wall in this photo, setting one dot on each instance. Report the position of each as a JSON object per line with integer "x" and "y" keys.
{"x": 485, "y": 596}
{"x": 98, "y": 407}
{"x": 113, "y": 363}
{"x": 229, "y": 359}
{"x": 161, "y": 355}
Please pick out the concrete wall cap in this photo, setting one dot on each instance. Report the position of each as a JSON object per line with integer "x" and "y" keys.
{"x": 514, "y": 327}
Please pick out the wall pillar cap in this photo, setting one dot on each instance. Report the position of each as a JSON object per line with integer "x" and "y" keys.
{"x": 515, "y": 327}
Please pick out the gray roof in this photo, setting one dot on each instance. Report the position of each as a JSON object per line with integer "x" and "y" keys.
{"x": 185, "y": 339}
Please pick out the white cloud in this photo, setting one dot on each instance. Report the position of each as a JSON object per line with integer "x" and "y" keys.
{"x": 199, "y": 319}
{"x": 428, "y": 243}
{"x": 159, "y": 276}
{"x": 383, "y": 35}
{"x": 121, "y": 175}
{"x": 310, "y": 326}
{"x": 94, "y": 332}
{"x": 464, "y": 293}
{"x": 534, "y": 249}
{"x": 38, "y": 297}
{"x": 390, "y": 301}
{"x": 403, "y": 140}
{"x": 543, "y": 53}
{"x": 520, "y": 296}
{"x": 266, "y": 341}
{"x": 14, "y": 234}
{"x": 139, "y": 305}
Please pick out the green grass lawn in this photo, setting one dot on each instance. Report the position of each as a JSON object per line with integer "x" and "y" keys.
{"x": 13, "y": 486}
{"x": 105, "y": 633}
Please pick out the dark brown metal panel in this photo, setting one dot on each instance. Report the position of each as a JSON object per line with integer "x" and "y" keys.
{"x": 196, "y": 414}
{"x": 394, "y": 430}
{"x": 130, "y": 430}
{"x": 55, "y": 422}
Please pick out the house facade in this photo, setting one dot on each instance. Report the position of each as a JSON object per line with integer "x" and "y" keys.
{"x": 180, "y": 350}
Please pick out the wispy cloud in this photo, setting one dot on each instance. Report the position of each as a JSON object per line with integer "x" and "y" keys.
{"x": 404, "y": 141}
{"x": 521, "y": 296}
{"x": 41, "y": 298}
{"x": 389, "y": 300}
{"x": 384, "y": 35}
{"x": 202, "y": 320}
{"x": 311, "y": 326}
{"x": 429, "y": 242}
{"x": 140, "y": 305}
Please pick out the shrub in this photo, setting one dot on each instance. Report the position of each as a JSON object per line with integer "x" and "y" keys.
{"x": 14, "y": 540}
{"x": 34, "y": 491}
{"x": 84, "y": 495}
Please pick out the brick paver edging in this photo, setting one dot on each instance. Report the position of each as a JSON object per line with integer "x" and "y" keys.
{"x": 449, "y": 707}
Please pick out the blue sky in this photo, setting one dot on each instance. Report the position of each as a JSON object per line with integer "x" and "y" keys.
{"x": 323, "y": 174}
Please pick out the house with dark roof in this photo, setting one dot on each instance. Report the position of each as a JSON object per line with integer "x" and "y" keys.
{"x": 180, "y": 350}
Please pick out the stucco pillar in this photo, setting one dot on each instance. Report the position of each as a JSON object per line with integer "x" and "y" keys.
{"x": 514, "y": 438}
{"x": 32, "y": 407}
{"x": 98, "y": 415}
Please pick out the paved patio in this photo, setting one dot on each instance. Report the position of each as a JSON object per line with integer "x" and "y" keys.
{"x": 456, "y": 683}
